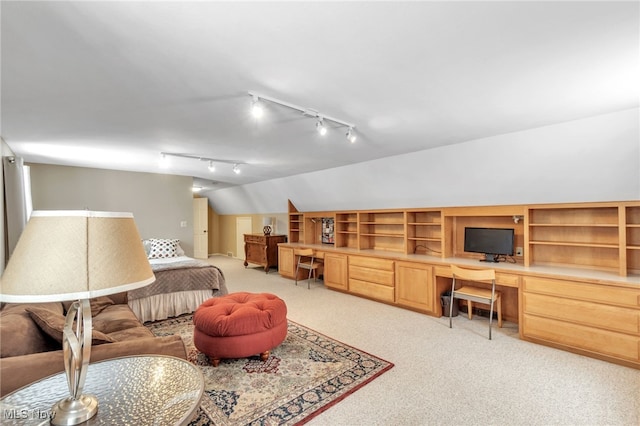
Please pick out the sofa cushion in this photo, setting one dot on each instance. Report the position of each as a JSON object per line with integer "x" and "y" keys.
{"x": 53, "y": 325}
{"x": 116, "y": 318}
{"x": 20, "y": 335}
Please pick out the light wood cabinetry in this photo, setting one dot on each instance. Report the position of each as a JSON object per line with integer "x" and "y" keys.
{"x": 601, "y": 319}
{"x": 576, "y": 286}
{"x": 372, "y": 278}
{"x": 424, "y": 232}
{"x": 336, "y": 271}
{"x": 584, "y": 236}
{"x": 286, "y": 262}
{"x": 414, "y": 286}
{"x": 347, "y": 229}
{"x": 632, "y": 237}
{"x": 382, "y": 230}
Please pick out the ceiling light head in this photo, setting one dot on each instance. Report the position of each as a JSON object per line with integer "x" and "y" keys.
{"x": 236, "y": 169}
{"x": 256, "y": 107}
{"x": 164, "y": 161}
{"x": 351, "y": 135}
{"x": 320, "y": 127}
{"x": 211, "y": 167}
{"x": 196, "y": 188}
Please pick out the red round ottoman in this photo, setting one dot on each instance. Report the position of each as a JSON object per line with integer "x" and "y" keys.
{"x": 239, "y": 325}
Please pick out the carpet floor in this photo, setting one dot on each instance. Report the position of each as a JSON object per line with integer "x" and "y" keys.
{"x": 305, "y": 375}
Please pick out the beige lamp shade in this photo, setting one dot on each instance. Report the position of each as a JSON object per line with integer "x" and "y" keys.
{"x": 70, "y": 255}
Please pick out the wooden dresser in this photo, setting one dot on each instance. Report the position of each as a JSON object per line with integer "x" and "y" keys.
{"x": 262, "y": 249}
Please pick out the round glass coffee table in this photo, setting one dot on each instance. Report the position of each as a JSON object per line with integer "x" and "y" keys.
{"x": 135, "y": 390}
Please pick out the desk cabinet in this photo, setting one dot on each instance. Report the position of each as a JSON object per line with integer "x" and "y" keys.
{"x": 262, "y": 249}
{"x": 414, "y": 286}
{"x": 336, "y": 271}
{"x": 603, "y": 320}
{"x": 286, "y": 262}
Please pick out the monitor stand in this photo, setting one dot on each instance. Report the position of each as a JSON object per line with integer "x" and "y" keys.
{"x": 492, "y": 258}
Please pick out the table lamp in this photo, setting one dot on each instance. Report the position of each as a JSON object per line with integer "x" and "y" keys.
{"x": 75, "y": 255}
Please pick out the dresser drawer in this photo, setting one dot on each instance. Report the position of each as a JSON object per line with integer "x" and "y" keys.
{"x": 372, "y": 275}
{"x": 609, "y": 317}
{"x": 372, "y": 290}
{"x": 589, "y": 292}
{"x": 371, "y": 262}
{"x": 260, "y": 239}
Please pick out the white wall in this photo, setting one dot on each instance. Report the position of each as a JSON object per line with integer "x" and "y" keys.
{"x": 592, "y": 159}
{"x": 158, "y": 202}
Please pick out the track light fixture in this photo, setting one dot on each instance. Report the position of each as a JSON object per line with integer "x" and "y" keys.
{"x": 320, "y": 118}
{"x": 320, "y": 127}
{"x": 210, "y": 167}
{"x": 164, "y": 161}
{"x": 351, "y": 135}
{"x": 256, "y": 107}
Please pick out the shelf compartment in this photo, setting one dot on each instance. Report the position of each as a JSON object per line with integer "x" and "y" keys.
{"x": 605, "y": 258}
{"x": 575, "y": 235}
{"x": 633, "y": 215}
{"x": 578, "y": 215}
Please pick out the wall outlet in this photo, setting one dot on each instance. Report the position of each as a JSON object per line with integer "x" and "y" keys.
{"x": 519, "y": 251}
{"x": 229, "y": 254}
{"x": 183, "y": 224}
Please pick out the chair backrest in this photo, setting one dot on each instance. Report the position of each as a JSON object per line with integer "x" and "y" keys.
{"x": 473, "y": 274}
{"x": 304, "y": 252}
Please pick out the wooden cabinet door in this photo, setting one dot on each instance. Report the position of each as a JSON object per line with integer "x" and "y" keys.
{"x": 414, "y": 286}
{"x": 335, "y": 271}
{"x": 286, "y": 263}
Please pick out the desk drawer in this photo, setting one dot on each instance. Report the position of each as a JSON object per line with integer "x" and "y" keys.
{"x": 507, "y": 280}
{"x": 371, "y": 262}
{"x": 622, "y": 346}
{"x": 591, "y": 292}
{"x": 609, "y": 317}
{"x": 372, "y": 290}
{"x": 372, "y": 275}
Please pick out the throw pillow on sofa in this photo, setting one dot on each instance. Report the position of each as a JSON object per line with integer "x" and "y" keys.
{"x": 53, "y": 324}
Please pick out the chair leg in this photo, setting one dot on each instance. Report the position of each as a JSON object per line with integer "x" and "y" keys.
{"x": 490, "y": 317}
{"x": 499, "y": 302}
{"x": 297, "y": 269}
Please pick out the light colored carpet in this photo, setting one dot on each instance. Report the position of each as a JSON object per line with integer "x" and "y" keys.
{"x": 448, "y": 376}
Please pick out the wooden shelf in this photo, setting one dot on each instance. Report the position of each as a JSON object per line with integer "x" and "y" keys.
{"x": 570, "y": 244}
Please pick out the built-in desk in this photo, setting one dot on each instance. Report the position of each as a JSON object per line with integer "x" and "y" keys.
{"x": 594, "y": 313}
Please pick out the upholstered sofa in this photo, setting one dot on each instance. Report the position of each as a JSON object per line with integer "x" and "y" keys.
{"x": 31, "y": 335}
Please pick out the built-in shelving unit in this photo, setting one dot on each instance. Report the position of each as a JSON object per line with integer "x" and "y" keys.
{"x": 296, "y": 225}
{"x": 424, "y": 232}
{"x": 632, "y": 236}
{"x": 382, "y": 230}
{"x": 576, "y": 235}
{"x": 598, "y": 236}
{"x": 346, "y": 229}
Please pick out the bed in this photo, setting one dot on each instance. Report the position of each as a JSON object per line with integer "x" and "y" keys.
{"x": 182, "y": 283}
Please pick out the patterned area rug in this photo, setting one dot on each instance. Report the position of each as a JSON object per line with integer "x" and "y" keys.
{"x": 305, "y": 375}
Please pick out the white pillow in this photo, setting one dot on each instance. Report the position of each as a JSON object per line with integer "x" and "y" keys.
{"x": 162, "y": 248}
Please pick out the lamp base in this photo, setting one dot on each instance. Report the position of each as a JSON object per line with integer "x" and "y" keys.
{"x": 267, "y": 230}
{"x": 69, "y": 411}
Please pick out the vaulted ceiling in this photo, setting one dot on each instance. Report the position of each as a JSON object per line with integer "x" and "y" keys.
{"x": 113, "y": 84}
